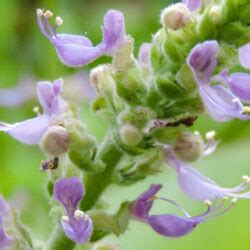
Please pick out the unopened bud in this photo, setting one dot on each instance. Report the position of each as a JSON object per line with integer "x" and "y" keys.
{"x": 175, "y": 16}
{"x": 123, "y": 57}
{"x": 56, "y": 140}
{"x": 189, "y": 147}
{"x": 101, "y": 79}
{"x": 130, "y": 134}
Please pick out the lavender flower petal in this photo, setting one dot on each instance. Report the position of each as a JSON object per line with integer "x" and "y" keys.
{"x": 29, "y": 131}
{"x": 78, "y": 229}
{"x": 171, "y": 225}
{"x": 69, "y": 192}
{"x": 193, "y": 5}
{"x": 144, "y": 202}
{"x": 5, "y": 240}
{"x": 199, "y": 187}
{"x": 244, "y": 56}
{"x": 113, "y": 31}
{"x": 239, "y": 84}
{"x": 221, "y": 104}
{"x": 202, "y": 61}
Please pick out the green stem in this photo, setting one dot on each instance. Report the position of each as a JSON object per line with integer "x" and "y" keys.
{"x": 95, "y": 184}
{"x": 59, "y": 241}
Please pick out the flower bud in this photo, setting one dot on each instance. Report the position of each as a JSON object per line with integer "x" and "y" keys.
{"x": 175, "y": 16}
{"x": 123, "y": 57}
{"x": 189, "y": 146}
{"x": 56, "y": 140}
{"x": 101, "y": 78}
{"x": 130, "y": 134}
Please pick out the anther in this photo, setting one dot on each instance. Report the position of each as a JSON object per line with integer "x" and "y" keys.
{"x": 39, "y": 12}
{"x": 234, "y": 200}
{"x": 59, "y": 21}
{"x": 65, "y": 218}
{"x": 246, "y": 110}
{"x": 210, "y": 135}
{"x": 207, "y": 203}
{"x": 225, "y": 198}
{"x": 36, "y": 110}
{"x": 79, "y": 214}
{"x": 48, "y": 14}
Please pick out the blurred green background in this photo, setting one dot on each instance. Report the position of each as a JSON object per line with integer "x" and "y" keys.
{"x": 25, "y": 53}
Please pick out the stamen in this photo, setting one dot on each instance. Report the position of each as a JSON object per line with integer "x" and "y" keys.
{"x": 208, "y": 203}
{"x": 177, "y": 205}
{"x": 59, "y": 21}
{"x": 246, "y": 178}
{"x": 39, "y": 12}
{"x": 36, "y": 110}
{"x": 65, "y": 218}
{"x": 48, "y": 14}
{"x": 210, "y": 135}
{"x": 79, "y": 214}
{"x": 246, "y": 110}
{"x": 196, "y": 132}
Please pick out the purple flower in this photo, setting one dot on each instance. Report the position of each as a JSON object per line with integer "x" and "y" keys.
{"x": 220, "y": 102}
{"x": 193, "y": 5}
{"x": 199, "y": 187}
{"x": 31, "y": 131}
{"x": 76, "y": 225}
{"x": 170, "y": 225}
{"x": 5, "y": 240}
{"x": 76, "y": 50}
{"x": 244, "y": 55}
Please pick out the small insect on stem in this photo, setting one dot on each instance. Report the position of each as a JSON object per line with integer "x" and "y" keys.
{"x": 50, "y": 164}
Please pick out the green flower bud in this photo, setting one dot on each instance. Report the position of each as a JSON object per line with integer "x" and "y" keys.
{"x": 123, "y": 57}
{"x": 56, "y": 140}
{"x": 175, "y": 16}
{"x": 130, "y": 134}
{"x": 189, "y": 146}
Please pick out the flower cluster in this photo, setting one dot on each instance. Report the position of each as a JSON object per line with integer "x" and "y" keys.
{"x": 149, "y": 102}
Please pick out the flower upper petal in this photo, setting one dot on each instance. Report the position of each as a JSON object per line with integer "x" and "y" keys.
{"x": 144, "y": 202}
{"x": 202, "y": 61}
{"x": 193, "y": 5}
{"x": 244, "y": 56}
{"x": 69, "y": 192}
